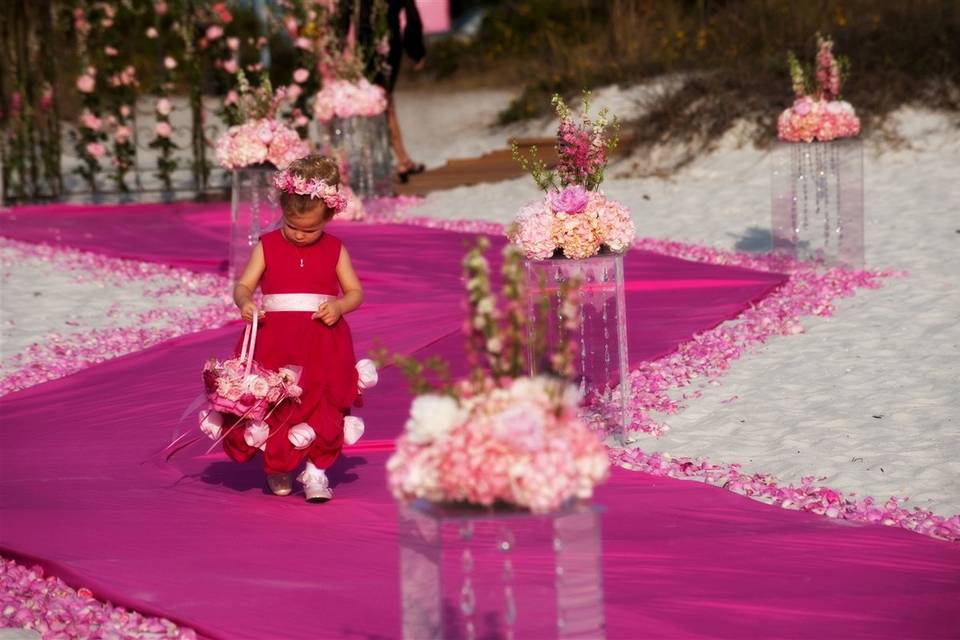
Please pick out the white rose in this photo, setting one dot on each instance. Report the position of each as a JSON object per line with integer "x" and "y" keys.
{"x": 368, "y": 376}
{"x": 494, "y": 345}
{"x": 255, "y": 435}
{"x": 432, "y": 417}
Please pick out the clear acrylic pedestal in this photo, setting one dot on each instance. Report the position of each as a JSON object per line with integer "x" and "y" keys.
{"x": 363, "y": 143}
{"x": 481, "y": 573}
{"x": 602, "y": 365}
{"x": 817, "y": 201}
{"x": 254, "y": 210}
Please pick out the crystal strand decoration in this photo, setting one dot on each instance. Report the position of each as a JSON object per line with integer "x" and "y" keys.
{"x": 794, "y": 229}
{"x": 559, "y": 571}
{"x": 607, "y": 388}
{"x": 586, "y": 275}
{"x": 835, "y": 179}
{"x": 505, "y": 545}
{"x": 468, "y": 597}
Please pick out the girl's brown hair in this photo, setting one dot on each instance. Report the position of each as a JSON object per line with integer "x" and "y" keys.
{"x": 309, "y": 167}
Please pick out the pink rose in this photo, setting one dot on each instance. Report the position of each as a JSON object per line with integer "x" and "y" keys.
{"x": 125, "y": 110}
{"x": 163, "y": 130}
{"x": 231, "y": 98}
{"x": 110, "y": 51}
{"x": 152, "y": 33}
{"x": 96, "y": 149}
{"x": 301, "y": 75}
{"x": 160, "y": 7}
{"x": 571, "y": 199}
{"x": 123, "y": 134}
{"x": 230, "y": 66}
{"x": 90, "y": 121}
{"x": 164, "y": 107}
{"x": 304, "y": 43}
{"x": 169, "y": 63}
{"x": 294, "y": 91}
{"x": 86, "y": 83}
{"x": 214, "y": 31}
{"x": 233, "y": 43}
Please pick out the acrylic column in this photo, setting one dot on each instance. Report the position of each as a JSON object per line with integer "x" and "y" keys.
{"x": 254, "y": 210}
{"x": 469, "y": 572}
{"x": 363, "y": 145}
{"x": 817, "y": 201}
{"x": 602, "y": 362}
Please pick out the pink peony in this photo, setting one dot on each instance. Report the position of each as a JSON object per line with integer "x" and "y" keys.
{"x": 301, "y": 75}
{"x": 125, "y": 110}
{"x": 233, "y": 43}
{"x": 214, "y": 31}
{"x": 152, "y": 33}
{"x": 231, "y": 98}
{"x": 293, "y": 92}
{"x": 110, "y": 51}
{"x": 571, "y": 199}
{"x": 303, "y": 43}
{"x": 169, "y": 63}
{"x": 230, "y": 66}
{"x": 163, "y": 130}
{"x": 164, "y": 107}
{"x": 86, "y": 83}
{"x": 160, "y": 7}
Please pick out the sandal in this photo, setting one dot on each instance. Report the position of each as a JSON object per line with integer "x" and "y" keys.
{"x": 411, "y": 170}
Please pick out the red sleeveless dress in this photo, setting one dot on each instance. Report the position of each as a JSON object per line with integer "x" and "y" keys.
{"x": 329, "y": 375}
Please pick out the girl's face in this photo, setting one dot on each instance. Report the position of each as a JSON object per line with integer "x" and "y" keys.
{"x": 307, "y": 227}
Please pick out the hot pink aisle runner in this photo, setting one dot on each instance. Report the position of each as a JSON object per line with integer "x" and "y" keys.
{"x": 203, "y": 544}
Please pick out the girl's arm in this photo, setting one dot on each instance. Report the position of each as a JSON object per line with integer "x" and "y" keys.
{"x": 352, "y": 297}
{"x": 248, "y": 282}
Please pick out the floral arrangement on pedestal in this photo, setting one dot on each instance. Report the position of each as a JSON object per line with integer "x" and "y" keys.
{"x": 817, "y": 113}
{"x": 347, "y": 99}
{"x": 261, "y": 138}
{"x": 574, "y": 219}
{"x": 498, "y": 437}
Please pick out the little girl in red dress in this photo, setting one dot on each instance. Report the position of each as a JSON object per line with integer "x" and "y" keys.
{"x": 300, "y": 270}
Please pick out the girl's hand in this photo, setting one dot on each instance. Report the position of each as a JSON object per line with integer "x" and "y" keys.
{"x": 248, "y": 309}
{"x": 329, "y": 312}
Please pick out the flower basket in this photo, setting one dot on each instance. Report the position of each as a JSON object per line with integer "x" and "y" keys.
{"x": 242, "y": 388}
{"x": 536, "y": 575}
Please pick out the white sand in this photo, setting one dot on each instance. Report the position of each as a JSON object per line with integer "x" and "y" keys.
{"x": 805, "y": 403}
{"x": 39, "y": 299}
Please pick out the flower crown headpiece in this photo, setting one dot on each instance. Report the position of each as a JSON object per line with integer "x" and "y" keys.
{"x": 314, "y": 187}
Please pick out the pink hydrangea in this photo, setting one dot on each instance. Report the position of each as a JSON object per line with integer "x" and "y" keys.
{"x": 260, "y": 141}
{"x": 576, "y": 236}
{"x": 613, "y": 223}
{"x": 343, "y": 99}
{"x": 810, "y": 120}
{"x": 575, "y": 222}
{"x": 533, "y": 231}
{"x": 519, "y": 443}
